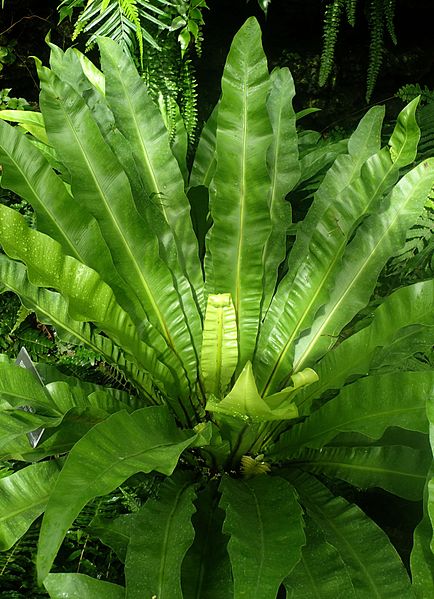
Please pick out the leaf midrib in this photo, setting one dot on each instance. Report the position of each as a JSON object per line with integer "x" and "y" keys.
{"x": 324, "y": 279}
{"x": 124, "y": 241}
{"x": 397, "y": 213}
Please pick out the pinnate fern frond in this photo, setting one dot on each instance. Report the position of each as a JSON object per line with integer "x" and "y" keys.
{"x": 332, "y": 20}
{"x": 416, "y": 259}
{"x": 389, "y": 15}
{"x": 380, "y": 15}
{"x": 188, "y": 99}
{"x": 376, "y": 45}
{"x": 351, "y": 6}
{"x": 123, "y": 21}
{"x": 410, "y": 91}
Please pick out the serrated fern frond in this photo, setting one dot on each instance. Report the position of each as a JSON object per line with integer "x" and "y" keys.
{"x": 172, "y": 84}
{"x": 188, "y": 100}
{"x": 332, "y": 21}
{"x": 415, "y": 261}
{"x": 389, "y": 15}
{"x": 380, "y": 16}
{"x": 124, "y": 21}
{"x": 351, "y": 6}
{"x": 410, "y": 91}
{"x": 376, "y": 45}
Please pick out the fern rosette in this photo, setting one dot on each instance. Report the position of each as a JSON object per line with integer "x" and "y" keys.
{"x": 252, "y": 388}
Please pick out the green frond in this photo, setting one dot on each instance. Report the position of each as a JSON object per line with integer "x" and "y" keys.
{"x": 332, "y": 21}
{"x": 172, "y": 84}
{"x": 425, "y": 117}
{"x": 389, "y": 15}
{"x": 415, "y": 261}
{"x": 380, "y": 15}
{"x": 376, "y": 45}
{"x": 351, "y": 6}
{"x": 410, "y": 91}
{"x": 131, "y": 11}
{"x": 188, "y": 99}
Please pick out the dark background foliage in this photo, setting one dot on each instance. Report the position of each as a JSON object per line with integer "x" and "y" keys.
{"x": 293, "y": 32}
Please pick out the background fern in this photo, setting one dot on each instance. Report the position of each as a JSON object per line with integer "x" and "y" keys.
{"x": 160, "y": 35}
{"x": 82, "y": 550}
{"x": 380, "y": 16}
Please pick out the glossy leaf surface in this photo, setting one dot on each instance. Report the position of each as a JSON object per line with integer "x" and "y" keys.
{"x": 264, "y": 522}
{"x": 244, "y": 402}
{"x": 113, "y": 450}
{"x": 206, "y": 569}
{"x": 81, "y": 586}
{"x": 284, "y": 169}
{"x": 233, "y": 261}
{"x": 23, "y": 497}
{"x": 378, "y": 238}
{"x": 319, "y": 244}
{"x": 397, "y": 469}
{"x": 161, "y": 534}
{"x": 99, "y": 182}
{"x": 373, "y": 564}
{"x": 321, "y": 572}
{"x": 219, "y": 355}
{"x": 407, "y": 306}
{"x": 368, "y": 406}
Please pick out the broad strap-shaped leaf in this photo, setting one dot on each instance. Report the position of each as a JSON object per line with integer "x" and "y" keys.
{"x": 368, "y": 406}
{"x": 48, "y": 266}
{"x": 374, "y": 566}
{"x": 401, "y": 353}
{"x": 397, "y": 469}
{"x": 405, "y": 137}
{"x": 284, "y": 170}
{"x": 161, "y": 534}
{"x": 76, "y": 69}
{"x": 405, "y": 307}
{"x": 430, "y": 482}
{"x": 321, "y": 573}
{"x": 219, "y": 355}
{"x": 240, "y": 187}
{"x": 32, "y": 122}
{"x": 51, "y": 374}
{"x": 23, "y": 496}
{"x": 51, "y": 308}
{"x": 327, "y": 229}
{"x": 422, "y": 560}
{"x": 99, "y": 182}
{"x": 377, "y": 239}
{"x": 244, "y": 402}
{"x": 65, "y": 397}
{"x": 17, "y": 423}
{"x": 265, "y": 525}
{"x": 113, "y": 450}
{"x": 70, "y": 67}
{"x": 81, "y": 586}
{"x": 28, "y": 174}
{"x": 206, "y": 569}
{"x": 20, "y": 387}
{"x": 60, "y": 439}
{"x": 318, "y": 245}
{"x": 139, "y": 120}
{"x": 316, "y": 156}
